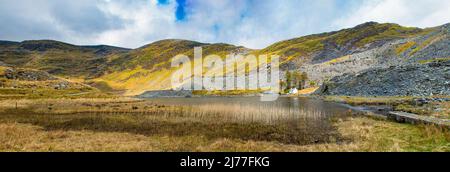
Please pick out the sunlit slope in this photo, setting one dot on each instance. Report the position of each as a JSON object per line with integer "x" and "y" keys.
{"x": 149, "y": 67}
{"x": 324, "y": 47}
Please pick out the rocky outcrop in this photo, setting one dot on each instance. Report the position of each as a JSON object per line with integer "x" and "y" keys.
{"x": 27, "y": 75}
{"x": 409, "y": 80}
{"x": 379, "y": 57}
{"x": 22, "y": 78}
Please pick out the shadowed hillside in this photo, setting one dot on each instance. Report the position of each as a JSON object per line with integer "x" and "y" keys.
{"x": 58, "y": 58}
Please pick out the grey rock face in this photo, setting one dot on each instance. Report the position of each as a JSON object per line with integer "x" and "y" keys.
{"x": 386, "y": 70}
{"x": 379, "y": 57}
{"x": 409, "y": 80}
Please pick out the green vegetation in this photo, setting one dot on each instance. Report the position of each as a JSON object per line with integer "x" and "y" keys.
{"x": 357, "y": 101}
{"x": 149, "y": 67}
{"x": 404, "y": 47}
{"x": 8, "y": 93}
{"x": 348, "y": 38}
{"x": 158, "y": 53}
{"x": 157, "y": 56}
{"x": 294, "y": 48}
{"x": 434, "y": 60}
{"x": 425, "y": 43}
{"x": 377, "y": 32}
{"x": 435, "y": 109}
{"x": 405, "y": 104}
{"x": 379, "y": 135}
{"x": 295, "y": 79}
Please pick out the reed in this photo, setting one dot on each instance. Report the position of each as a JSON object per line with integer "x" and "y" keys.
{"x": 213, "y": 120}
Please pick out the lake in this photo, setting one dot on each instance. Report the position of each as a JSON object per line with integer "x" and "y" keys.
{"x": 304, "y": 120}
{"x": 298, "y": 121}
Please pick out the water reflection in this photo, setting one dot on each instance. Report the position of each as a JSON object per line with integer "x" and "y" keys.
{"x": 250, "y": 109}
{"x": 287, "y": 120}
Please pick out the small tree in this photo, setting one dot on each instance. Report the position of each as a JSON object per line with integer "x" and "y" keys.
{"x": 304, "y": 77}
{"x": 288, "y": 80}
{"x": 312, "y": 83}
{"x": 297, "y": 79}
{"x": 282, "y": 85}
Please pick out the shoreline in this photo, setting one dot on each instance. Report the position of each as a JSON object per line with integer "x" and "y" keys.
{"x": 389, "y": 111}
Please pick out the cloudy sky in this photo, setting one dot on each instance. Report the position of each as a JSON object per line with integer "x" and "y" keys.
{"x": 250, "y": 23}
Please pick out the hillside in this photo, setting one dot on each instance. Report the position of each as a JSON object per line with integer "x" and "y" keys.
{"x": 369, "y": 46}
{"x": 421, "y": 45}
{"x": 58, "y": 58}
{"x": 407, "y": 53}
{"x": 149, "y": 67}
{"x": 323, "y": 47}
{"x": 427, "y": 79}
{"x": 32, "y": 83}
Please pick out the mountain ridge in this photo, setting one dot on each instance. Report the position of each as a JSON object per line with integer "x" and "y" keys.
{"x": 323, "y": 56}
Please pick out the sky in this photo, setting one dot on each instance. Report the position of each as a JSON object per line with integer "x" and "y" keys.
{"x": 250, "y": 23}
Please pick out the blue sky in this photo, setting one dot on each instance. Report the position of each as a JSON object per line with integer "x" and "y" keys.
{"x": 250, "y": 23}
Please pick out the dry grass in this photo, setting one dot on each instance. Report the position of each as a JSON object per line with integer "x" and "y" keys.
{"x": 24, "y": 137}
{"x": 353, "y": 100}
{"x": 435, "y": 109}
{"x": 308, "y": 91}
{"x": 126, "y": 124}
{"x": 45, "y": 93}
{"x": 363, "y": 135}
{"x": 212, "y": 121}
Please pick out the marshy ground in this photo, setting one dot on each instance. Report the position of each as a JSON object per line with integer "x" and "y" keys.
{"x": 123, "y": 124}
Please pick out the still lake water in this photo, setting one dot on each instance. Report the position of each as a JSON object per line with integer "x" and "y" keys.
{"x": 297, "y": 120}
{"x": 251, "y": 109}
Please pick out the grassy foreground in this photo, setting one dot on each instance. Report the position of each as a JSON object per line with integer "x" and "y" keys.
{"x": 363, "y": 135}
{"x": 88, "y": 125}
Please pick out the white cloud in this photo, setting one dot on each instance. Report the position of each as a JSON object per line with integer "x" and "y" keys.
{"x": 145, "y": 21}
{"x": 71, "y": 21}
{"x": 251, "y": 23}
{"x": 418, "y": 13}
